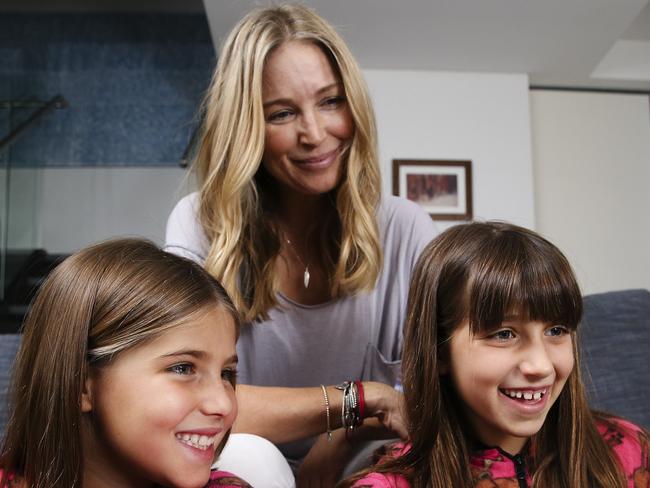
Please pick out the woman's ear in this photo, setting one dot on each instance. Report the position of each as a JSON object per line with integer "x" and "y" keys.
{"x": 87, "y": 395}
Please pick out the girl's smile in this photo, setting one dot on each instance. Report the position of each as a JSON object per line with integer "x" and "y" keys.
{"x": 526, "y": 400}
{"x": 201, "y": 443}
{"x": 509, "y": 378}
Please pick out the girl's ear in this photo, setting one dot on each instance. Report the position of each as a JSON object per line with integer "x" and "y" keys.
{"x": 87, "y": 395}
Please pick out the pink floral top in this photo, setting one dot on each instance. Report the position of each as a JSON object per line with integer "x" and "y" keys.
{"x": 494, "y": 468}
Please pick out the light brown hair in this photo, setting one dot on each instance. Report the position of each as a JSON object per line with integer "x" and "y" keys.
{"x": 234, "y": 189}
{"x": 99, "y": 302}
{"x": 482, "y": 272}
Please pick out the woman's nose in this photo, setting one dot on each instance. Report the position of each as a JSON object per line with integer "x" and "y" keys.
{"x": 312, "y": 130}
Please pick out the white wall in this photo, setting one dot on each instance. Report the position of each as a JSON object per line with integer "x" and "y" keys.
{"x": 481, "y": 117}
{"x": 421, "y": 115}
{"x": 64, "y": 209}
{"x": 592, "y": 184}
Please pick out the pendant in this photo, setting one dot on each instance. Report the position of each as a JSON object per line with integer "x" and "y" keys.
{"x": 305, "y": 278}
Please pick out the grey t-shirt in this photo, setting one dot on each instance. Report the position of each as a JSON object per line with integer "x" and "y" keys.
{"x": 353, "y": 337}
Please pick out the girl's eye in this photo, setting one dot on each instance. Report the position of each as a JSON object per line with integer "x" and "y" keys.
{"x": 280, "y": 116}
{"x": 333, "y": 102}
{"x": 229, "y": 375}
{"x": 557, "y": 331}
{"x": 502, "y": 335}
{"x": 182, "y": 368}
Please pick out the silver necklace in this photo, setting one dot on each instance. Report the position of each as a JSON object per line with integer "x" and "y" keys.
{"x": 306, "y": 276}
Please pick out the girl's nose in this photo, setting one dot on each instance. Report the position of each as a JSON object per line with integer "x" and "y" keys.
{"x": 536, "y": 361}
{"x": 312, "y": 130}
{"x": 218, "y": 398}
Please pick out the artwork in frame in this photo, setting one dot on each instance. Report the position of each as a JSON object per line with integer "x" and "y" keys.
{"x": 442, "y": 188}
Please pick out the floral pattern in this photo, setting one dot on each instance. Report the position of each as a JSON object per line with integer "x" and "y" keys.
{"x": 492, "y": 468}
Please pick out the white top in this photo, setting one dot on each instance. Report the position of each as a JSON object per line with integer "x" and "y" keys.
{"x": 352, "y": 337}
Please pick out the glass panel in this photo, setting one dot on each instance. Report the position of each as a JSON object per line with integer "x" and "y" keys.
{"x": 4, "y": 192}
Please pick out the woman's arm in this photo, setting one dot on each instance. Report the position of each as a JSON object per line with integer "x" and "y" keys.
{"x": 288, "y": 414}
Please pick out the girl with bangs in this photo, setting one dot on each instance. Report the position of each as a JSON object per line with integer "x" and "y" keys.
{"x": 491, "y": 372}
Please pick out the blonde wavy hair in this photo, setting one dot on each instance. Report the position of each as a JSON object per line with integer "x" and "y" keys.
{"x": 234, "y": 210}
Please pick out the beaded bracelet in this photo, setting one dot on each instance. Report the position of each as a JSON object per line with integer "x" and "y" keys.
{"x": 327, "y": 413}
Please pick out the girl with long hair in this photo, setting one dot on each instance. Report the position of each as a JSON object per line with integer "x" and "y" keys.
{"x": 290, "y": 219}
{"x": 125, "y": 375}
{"x": 491, "y": 372}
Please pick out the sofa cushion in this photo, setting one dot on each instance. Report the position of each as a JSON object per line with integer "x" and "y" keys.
{"x": 9, "y": 344}
{"x": 615, "y": 340}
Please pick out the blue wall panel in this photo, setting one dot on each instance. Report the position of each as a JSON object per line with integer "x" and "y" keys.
{"x": 134, "y": 83}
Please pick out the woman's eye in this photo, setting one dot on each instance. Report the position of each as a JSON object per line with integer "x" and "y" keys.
{"x": 333, "y": 102}
{"x": 557, "y": 331}
{"x": 280, "y": 116}
{"x": 182, "y": 369}
{"x": 229, "y": 375}
{"x": 502, "y": 335}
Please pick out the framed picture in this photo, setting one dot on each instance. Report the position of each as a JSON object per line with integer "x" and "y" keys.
{"x": 442, "y": 188}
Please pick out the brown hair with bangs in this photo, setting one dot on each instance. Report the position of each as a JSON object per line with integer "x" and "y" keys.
{"x": 484, "y": 273}
{"x": 101, "y": 301}
{"x": 514, "y": 271}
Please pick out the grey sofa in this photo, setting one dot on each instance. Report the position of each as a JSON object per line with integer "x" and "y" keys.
{"x": 616, "y": 351}
{"x": 615, "y": 348}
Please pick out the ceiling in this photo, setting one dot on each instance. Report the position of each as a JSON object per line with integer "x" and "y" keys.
{"x": 602, "y": 44}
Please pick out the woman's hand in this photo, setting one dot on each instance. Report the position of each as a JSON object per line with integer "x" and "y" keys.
{"x": 387, "y": 405}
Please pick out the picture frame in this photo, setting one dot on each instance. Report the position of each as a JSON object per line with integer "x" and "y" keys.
{"x": 442, "y": 188}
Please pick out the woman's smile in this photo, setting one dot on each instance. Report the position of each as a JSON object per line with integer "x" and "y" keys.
{"x": 317, "y": 162}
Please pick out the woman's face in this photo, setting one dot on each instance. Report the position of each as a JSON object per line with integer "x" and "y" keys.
{"x": 160, "y": 410}
{"x": 308, "y": 122}
{"x": 508, "y": 379}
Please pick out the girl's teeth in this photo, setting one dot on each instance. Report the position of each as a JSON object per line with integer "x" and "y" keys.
{"x": 202, "y": 442}
{"x": 526, "y": 395}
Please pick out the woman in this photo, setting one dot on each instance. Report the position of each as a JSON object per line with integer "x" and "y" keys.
{"x": 290, "y": 219}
